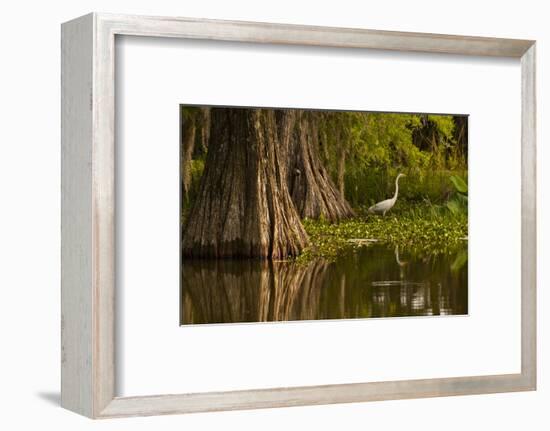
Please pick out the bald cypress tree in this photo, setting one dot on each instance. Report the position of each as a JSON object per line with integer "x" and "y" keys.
{"x": 244, "y": 207}
{"x": 313, "y": 192}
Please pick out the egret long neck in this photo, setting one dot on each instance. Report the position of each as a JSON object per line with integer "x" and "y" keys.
{"x": 396, "y": 188}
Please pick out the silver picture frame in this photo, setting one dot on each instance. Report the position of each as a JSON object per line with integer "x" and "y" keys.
{"x": 88, "y": 214}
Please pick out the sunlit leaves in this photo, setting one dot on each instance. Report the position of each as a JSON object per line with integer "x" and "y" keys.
{"x": 444, "y": 123}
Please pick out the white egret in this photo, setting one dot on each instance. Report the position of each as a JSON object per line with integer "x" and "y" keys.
{"x": 384, "y": 206}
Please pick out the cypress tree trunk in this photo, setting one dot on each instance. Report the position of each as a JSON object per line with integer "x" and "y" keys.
{"x": 312, "y": 190}
{"x": 244, "y": 208}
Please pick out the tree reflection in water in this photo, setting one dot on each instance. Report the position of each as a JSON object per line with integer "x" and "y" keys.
{"x": 218, "y": 291}
{"x": 373, "y": 281}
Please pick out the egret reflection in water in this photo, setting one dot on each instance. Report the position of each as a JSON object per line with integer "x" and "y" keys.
{"x": 371, "y": 281}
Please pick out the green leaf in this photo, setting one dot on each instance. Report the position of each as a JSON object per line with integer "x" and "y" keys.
{"x": 459, "y": 184}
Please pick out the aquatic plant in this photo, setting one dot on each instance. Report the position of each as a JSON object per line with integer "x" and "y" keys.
{"x": 418, "y": 228}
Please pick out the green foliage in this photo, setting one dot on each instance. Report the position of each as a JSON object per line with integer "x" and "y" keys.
{"x": 196, "y": 168}
{"x": 364, "y": 152}
{"x": 460, "y": 185}
{"x": 458, "y": 202}
{"x": 376, "y": 146}
{"x": 444, "y": 124}
{"x": 420, "y": 229}
{"x": 190, "y": 113}
{"x": 372, "y": 185}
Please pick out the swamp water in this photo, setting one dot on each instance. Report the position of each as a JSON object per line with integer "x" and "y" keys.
{"x": 369, "y": 281}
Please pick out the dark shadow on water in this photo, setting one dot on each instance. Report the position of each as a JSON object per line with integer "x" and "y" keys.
{"x": 53, "y": 398}
{"x": 371, "y": 281}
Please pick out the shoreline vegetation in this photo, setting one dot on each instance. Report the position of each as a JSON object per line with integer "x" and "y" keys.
{"x": 419, "y": 228}
{"x": 416, "y": 229}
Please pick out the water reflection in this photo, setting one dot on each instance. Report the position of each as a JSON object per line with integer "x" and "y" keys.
{"x": 373, "y": 281}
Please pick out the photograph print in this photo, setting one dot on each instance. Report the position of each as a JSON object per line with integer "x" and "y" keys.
{"x": 295, "y": 214}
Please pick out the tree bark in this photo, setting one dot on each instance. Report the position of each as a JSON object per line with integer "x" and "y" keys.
{"x": 244, "y": 208}
{"x": 313, "y": 192}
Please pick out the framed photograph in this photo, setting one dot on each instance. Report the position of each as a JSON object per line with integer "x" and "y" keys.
{"x": 264, "y": 215}
{"x": 296, "y": 224}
